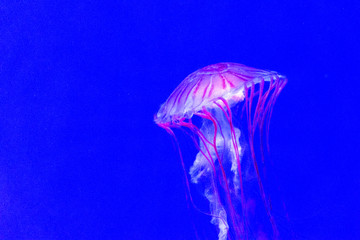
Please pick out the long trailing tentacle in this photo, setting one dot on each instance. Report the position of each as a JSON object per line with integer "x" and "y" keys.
{"x": 187, "y": 182}
{"x": 234, "y": 139}
{"x": 228, "y": 115}
{"x": 251, "y": 131}
{"x": 209, "y": 116}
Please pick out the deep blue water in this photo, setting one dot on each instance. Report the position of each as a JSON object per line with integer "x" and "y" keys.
{"x": 80, "y": 155}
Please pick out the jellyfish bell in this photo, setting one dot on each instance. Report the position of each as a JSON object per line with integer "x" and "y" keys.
{"x": 208, "y": 84}
{"x": 211, "y": 93}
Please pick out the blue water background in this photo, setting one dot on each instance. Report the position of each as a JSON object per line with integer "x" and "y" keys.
{"x": 80, "y": 81}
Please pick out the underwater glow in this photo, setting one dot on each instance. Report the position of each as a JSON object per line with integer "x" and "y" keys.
{"x": 231, "y": 182}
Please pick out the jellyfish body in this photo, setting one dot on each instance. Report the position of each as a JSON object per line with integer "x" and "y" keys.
{"x": 211, "y": 93}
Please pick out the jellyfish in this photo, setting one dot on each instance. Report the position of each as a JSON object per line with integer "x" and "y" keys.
{"x": 221, "y": 95}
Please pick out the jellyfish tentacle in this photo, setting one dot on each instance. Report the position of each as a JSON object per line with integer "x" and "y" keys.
{"x": 232, "y": 212}
{"x": 234, "y": 140}
{"x": 252, "y": 150}
{"x": 212, "y": 193}
{"x": 221, "y": 215}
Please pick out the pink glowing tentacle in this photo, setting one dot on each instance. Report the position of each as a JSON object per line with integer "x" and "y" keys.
{"x": 194, "y": 129}
{"x": 204, "y": 139}
{"x": 250, "y": 110}
{"x": 263, "y": 116}
{"x": 280, "y": 87}
{"x": 223, "y": 137}
{"x": 250, "y": 128}
{"x": 221, "y": 132}
{"x": 237, "y": 154}
{"x": 233, "y": 215}
{"x": 187, "y": 180}
{"x": 201, "y": 136}
{"x": 259, "y": 114}
{"x": 234, "y": 139}
{"x": 257, "y": 111}
{"x": 268, "y": 110}
{"x": 252, "y": 150}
